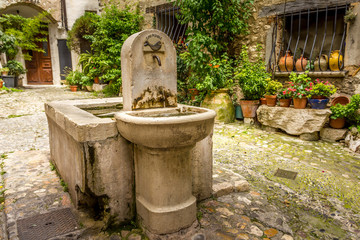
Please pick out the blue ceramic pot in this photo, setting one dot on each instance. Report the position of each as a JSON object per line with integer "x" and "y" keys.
{"x": 318, "y": 103}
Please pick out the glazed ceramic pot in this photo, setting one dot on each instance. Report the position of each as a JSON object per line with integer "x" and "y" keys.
{"x": 286, "y": 63}
{"x": 318, "y": 103}
{"x": 322, "y": 63}
{"x": 335, "y": 61}
{"x": 301, "y": 64}
{"x": 249, "y": 107}
{"x": 270, "y": 100}
{"x": 238, "y": 112}
{"x": 300, "y": 103}
{"x": 284, "y": 102}
{"x": 220, "y": 101}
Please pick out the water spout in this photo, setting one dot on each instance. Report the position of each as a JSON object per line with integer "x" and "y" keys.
{"x": 158, "y": 59}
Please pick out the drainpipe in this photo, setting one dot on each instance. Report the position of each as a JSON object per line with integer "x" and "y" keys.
{"x": 63, "y": 5}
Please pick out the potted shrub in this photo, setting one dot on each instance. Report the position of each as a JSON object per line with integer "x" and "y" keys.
{"x": 217, "y": 83}
{"x": 272, "y": 89}
{"x": 284, "y": 97}
{"x": 15, "y": 68}
{"x": 339, "y": 113}
{"x": 320, "y": 92}
{"x": 73, "y": 79}
{"x": 4, "y": 71}
{"x": 299, "y": 88}
{"x": 252, "y": 79}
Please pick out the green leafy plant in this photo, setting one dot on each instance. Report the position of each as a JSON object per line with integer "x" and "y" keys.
{"x": 273, "y": 87}
{"x": 28, "y": 32}
{"x": 74, "y": 78}
{"x": 299, "y": 85}
{"x": 15, "y": 68}
{"x": 252, "y": 76}
{"x": 4, "y": 69}
{"x": 321, "y": 88}
{"x": 349, "y": 111}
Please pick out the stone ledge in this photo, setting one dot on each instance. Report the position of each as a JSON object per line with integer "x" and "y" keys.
{"x": 293, "y": 121}
{"x": 81, "y": 125}
{"x": 332, "y": 134}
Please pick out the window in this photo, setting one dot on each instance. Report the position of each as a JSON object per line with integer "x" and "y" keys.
{"x": 314, "y": 34}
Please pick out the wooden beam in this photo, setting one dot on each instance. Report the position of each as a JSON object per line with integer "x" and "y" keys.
{"x": 298, "y": 5}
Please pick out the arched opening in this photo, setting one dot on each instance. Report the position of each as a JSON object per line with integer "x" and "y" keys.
{"x": 39, "y": 68}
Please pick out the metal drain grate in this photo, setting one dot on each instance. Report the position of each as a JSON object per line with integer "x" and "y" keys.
{"x": 45, "y": 226}
{"x": 285, "y": 174}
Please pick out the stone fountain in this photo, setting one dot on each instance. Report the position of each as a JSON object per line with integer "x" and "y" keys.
{"x": 163, "y": 132}
{"x": 144, "y": 150}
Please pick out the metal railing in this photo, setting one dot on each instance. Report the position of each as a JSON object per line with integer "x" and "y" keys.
{"x": 318, "y": 41}
{"x": 166, "y": 21}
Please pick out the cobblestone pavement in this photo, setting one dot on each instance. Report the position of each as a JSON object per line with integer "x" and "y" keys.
{"x": 249, "y": 202}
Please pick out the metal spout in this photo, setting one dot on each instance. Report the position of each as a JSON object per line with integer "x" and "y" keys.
{"x": 158, "y": 59}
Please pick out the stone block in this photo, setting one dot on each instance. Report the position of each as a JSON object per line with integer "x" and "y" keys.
{"x": 242, "y": 186}
{"x": 98, "y": 87}
{"x": 221, "y": 189}
{"x": 293, "y": 121}
{"x": 310, "y": 136}
{"x": 332, "y": 134}
{"x": 250, "y": 121}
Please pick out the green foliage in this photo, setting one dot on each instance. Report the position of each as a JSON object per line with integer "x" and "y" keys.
{"x": 273, "y": 87}
{"x": 7, "y": 43}
{"x": 26, "y": 31}
{"x": 84, "y": 26}
{"x": 349, "y": 111}
{"x": 4, "y": 69}
{"x": 299, "y": 85}
{"x": 77, "y": 78}
{"x": 284, "y": 93}
{"x": 15, "y": 68}
{"x": 321, "y": 88}
{"x": 252, "y": 76}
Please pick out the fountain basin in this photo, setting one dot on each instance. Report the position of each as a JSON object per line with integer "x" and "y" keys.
{"x": 166, "y": 128}
{"x": 163, "y": 141}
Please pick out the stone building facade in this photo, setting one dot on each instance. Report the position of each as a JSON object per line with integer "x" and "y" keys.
{"x": 46, "y": 69}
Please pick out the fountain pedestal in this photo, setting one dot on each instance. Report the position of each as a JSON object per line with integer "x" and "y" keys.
{"x": 163, "y": 188}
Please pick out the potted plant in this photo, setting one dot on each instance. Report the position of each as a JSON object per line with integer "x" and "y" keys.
{"x": 252, "y": 78}
{"x": 299, "y": 88}
{"x": 284, "y": 97}
{"x": 4, "y": 71}
{"x": 15, "y": 68}
{"x": 73, "y": 79}
{"x": 272, "y": 89}
{"x": 320, "y": 92}
{"x": 1, "y": 83}
{"x": 217, "y": 84}
{"x": 338, "y": 114}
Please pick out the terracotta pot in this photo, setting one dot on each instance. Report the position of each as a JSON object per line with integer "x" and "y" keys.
{"x": 335, "y": 61}
{"x": 322, "y": 63}
{"x": 286, "y": 63}
{"x": 285, "y": 102}
{"x": 4, "y": 73}
{"x": 262, "y": 101}
{"x": 300, "y": 103}
{"x": 301, "y": 64}
{"x": 1, "y": 84}
{"x": 249, "y": 107}
{"x": 343, "y": 100}
{"x": 270, "y": 100}
{"x": 337, "y": 123}
{"x": 193, "y": 93}
{"x": 96, "y": 80}
{"x": 73, "y": 88}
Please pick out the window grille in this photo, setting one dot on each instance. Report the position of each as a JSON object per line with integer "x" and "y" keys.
{"x": 311, "y": 33}
{"x": 165, "y": 20}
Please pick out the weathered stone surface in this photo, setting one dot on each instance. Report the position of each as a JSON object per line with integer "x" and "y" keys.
{"x": 221, "y": 189}
{"x": 148, "y": 70}
{"x": 352, "y": 142}
{"x": 269, "y": 129}
{"x": 332, "y": 134}
{"x": 310, "y": 136}
{"x": 293, "y": 121}
{"x": 249, "y": 121}
{"x": 242, "y": 186}
{"x": 287, "y": 237}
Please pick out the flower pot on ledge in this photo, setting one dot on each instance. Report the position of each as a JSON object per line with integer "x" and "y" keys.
{"x": 270, "y": 100}
{"x": 285, "y": 102}
{"x": 318, "y": 103}
{"x": 300, "y": 103}
{"x": 249, "y": 107}
{"x": 337, "y": 123}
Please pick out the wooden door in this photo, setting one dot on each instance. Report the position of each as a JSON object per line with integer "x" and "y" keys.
{"x": 39, "y": 70}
